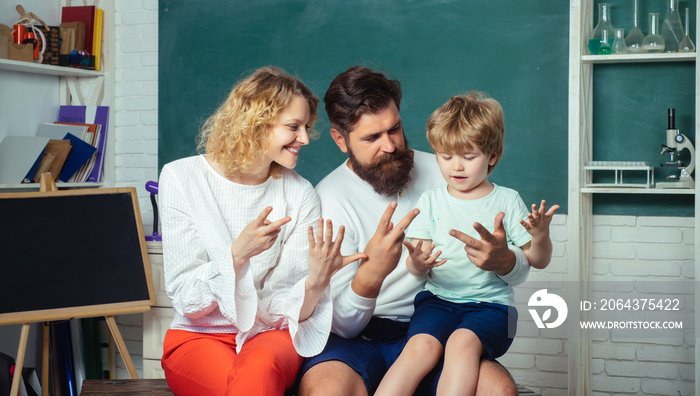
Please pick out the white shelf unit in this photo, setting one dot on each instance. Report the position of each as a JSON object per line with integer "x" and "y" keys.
{"x": 636, "y": 190}
{"x": 581, "y": 70}
{"x": 48, "y": 87}
{"x": 637, "y": 58}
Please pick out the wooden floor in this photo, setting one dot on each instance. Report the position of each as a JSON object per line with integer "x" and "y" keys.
{"x": 125, "y": 387}
{"x": 159, "y": 387}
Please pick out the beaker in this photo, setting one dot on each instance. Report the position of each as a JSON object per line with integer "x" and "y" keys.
{"x": 635, "y": 36}
{"x": 671, "y": 28}
{"x": 604, "y": 25}
{"x": 653, "y": 42}
{"x": 619, "y": 46}
{"x": 686, "y": 44}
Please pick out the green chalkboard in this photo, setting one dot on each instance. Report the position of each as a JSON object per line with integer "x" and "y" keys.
{"x": 516, "y": 51}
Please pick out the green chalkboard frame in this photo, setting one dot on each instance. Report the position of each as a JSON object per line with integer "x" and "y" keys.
{"x": 516, "y": 51}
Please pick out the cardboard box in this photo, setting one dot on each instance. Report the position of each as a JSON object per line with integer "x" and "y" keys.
{"x": 21, "y": 52}
{"x": 5, "y": 40}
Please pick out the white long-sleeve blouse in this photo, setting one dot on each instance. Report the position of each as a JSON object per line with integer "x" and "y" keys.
{"x": 202, "y": 214}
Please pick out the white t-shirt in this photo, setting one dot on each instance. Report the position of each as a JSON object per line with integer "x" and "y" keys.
{"x": 458, "y": 280}
{"x": 202, "y": 214}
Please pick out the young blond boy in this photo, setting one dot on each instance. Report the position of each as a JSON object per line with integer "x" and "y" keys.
{"x": 465, "y": 312}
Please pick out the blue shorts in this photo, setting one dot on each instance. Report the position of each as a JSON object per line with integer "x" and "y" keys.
{"x": 494, "y": 324}
{"x": 371, "y": 354}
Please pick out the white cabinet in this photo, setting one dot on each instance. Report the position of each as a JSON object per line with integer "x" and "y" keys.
{"x": 30, "y": 94}
{"x": 157, "y": 320}
{"x": 581, "y": 75}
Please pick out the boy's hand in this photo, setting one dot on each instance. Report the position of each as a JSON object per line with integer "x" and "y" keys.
{"x": 491, "y": 252}
{"x": 424, "y": 260}
{"x": 537, "y": 223}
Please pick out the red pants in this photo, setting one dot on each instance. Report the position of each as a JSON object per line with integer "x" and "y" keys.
{"x": 207, "y": 364}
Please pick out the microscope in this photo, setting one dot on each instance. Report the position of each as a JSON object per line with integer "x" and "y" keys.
{"x": 675, "y": 143}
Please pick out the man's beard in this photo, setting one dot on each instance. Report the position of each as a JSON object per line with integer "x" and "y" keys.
{"x": 388, "y": 175}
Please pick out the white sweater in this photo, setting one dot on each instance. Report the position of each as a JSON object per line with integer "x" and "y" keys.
{"x": 202, "y": 214}
{"x": 350, "y": 201}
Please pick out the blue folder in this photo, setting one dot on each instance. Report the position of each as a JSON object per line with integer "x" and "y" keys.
{"x": 79, "y": 154}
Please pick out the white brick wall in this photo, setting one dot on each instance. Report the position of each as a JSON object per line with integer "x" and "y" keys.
{"x": 136, "y": 99}
{"x": 625, "y": 247}
{"x": 136, "y": 129}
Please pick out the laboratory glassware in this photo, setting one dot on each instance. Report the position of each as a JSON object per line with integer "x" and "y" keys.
{"x": 604, "y": 25}
{"x": 686, "y": 44}
{"x": 619, "y": 45}
{"x": 635, "y": 36}
{"x": 653, "y": 42}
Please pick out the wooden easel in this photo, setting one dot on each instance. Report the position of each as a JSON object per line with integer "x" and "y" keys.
{"x": 47, "y": 184}
{"x": 24, "y": 336}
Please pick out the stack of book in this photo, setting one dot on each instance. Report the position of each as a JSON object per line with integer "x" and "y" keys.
{"x": 81, "y": 36}
{"x": 71, "y": 149}
{"x": 79, "y": 350}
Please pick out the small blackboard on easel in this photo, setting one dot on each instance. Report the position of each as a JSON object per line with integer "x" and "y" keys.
{"x": 72, "y": 254}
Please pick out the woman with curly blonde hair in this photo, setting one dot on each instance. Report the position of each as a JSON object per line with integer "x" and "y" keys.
{"x": 250, "y": 295}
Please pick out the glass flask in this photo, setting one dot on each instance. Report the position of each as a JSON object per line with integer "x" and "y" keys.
{"x": 619, "y": 45}
{"x": 635, "y": 36}
{"x": 686, "y": 44}
{"x": 604, "y": 25}
{"x": 671, "y": 28}
{"x": 605, "y": 48}
{"x": 653, "y": 42}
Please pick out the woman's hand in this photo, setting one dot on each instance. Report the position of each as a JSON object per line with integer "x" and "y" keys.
{"x": 324, "y": 261}
{"x": 258, "y": 236}
{"x": 324, "y": 254}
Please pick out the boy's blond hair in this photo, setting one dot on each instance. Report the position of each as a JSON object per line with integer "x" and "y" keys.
{"x": 465, "y": 122}
{"x": 237, "y": 134}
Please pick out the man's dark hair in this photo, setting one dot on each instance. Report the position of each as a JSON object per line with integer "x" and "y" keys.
{"x": 357, "y": 91}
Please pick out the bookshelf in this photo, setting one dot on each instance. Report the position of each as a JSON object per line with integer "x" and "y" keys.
{"x": 580, "y": 216}
{"x": 32, "y": 93}
{"x": 49, "y": 70}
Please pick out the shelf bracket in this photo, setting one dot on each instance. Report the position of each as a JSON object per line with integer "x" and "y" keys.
{"x": 76, "y": 95}
{"x": 98, "y": 92}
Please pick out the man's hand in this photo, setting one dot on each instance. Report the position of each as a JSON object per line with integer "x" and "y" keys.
{"x": 383, "y": 253}
{"x": 491, "y": 253}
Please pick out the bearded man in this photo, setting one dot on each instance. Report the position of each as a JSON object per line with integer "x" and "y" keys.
{"x": 373, "y": 299}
